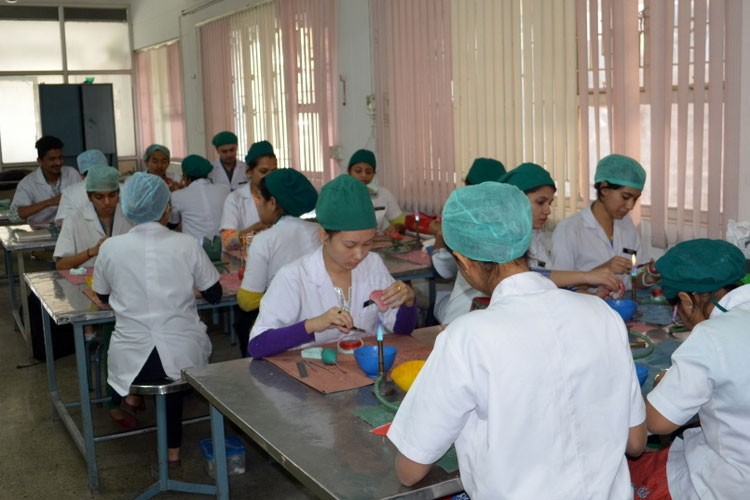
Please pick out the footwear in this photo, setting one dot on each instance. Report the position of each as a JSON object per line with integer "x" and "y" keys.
{"x": 122, "y": 419}
{"x": 174, "y": 464}
{"x": 131, "y": 409}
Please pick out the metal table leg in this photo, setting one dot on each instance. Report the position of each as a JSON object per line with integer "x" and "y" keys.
{"x": 220, "y": 454}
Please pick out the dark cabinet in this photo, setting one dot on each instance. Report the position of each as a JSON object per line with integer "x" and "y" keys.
{"x": 82, "y": 116}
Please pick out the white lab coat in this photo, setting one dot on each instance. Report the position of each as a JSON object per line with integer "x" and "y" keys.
{"x": 239, "y": 211}
{"x": 73, "y": 198}
{"x": 199, "y": 206}
{"x": 34, "y": 188}
{"x": 580, "y": 244}
{"x": 289, "y": 239}
{"x": 538, "y": 392}
{"x": 458, "y": 303}
{"x": 150, "y": 274}
{"x": 386, "y": 208}
{"x": 239, "y": 175}
{"x": 709, "y": 376}
{"x": 538, "y": 256}
{"x": 303, "y": 289}
{"x": 82, "y": 230}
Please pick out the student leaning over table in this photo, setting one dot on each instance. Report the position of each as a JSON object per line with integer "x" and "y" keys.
{"x": 38, "y": 194}
{"x": 148, "y": 276}
{"x": 86, "y": 229}
{"x": 320, "y": 296}
{"x": 240, "y": 215}
{"x": 75, "y": 197}
{"x": 538, "y": 391}
{"x": 197, "y": 207}
{"x": 390, "y": 218}
{"x": 283, "y": 195}
{"x": 709, "y": 376}
{"x": 227, "y": 169}
{"x": 603, "y": 234}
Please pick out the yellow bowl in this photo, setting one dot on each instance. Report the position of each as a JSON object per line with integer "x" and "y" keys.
{"x": 405, "y": 373}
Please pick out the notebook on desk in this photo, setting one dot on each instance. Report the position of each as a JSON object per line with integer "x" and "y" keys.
{"x": 25, "y": 235}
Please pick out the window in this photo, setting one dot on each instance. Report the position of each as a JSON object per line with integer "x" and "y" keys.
{"x": 97, "y": 45}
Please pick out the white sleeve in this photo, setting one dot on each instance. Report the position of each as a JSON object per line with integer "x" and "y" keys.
{"x": 444, "y": 263}
{"x": 229, "y": 217}
{"x": 281, "y": 305}
{"x": 102, "y": 271}
{"x": 204, "y": 272}
{"x": 563, "y": 247}
{"x": 65, "y": 207}
{"x": 256, "y": 269}
{"x": 65, "y": 245}
{"x": 392, "y": 210}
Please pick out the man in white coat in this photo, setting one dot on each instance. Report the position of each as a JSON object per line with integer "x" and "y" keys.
{"x": 227, "y": 169}
{"x": 38, "y": 194}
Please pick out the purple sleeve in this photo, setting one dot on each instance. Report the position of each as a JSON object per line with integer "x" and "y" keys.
{"x": 406, "y": 320}
{"x": 278, "y": 340}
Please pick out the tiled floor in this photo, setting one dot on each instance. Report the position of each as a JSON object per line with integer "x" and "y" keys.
{"x": 38, "y": 459}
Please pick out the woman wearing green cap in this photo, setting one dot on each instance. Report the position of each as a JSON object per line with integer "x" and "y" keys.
{"x": 86, "y": 229}
{"x": 240, "y": 216}
{"x": 538, "y": 391}
{"x": 603, "y": 234}
{"x": 197, "y": 206}
{"x": 362, "y": 166}
{"x": 319, "y": 297}
{"x": 709, "y": 376}
{"x": 148, "y": 277}
{"x": 540, "y": 188}
{"x": 227, "y": 169}
{"x": 283, "y": 195}
{"x": 157, "y": 158}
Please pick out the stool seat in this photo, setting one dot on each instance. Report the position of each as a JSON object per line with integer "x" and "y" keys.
{"x": 168, "y": 386}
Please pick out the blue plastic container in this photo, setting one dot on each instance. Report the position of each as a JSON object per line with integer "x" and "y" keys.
{"x": 625, "y": 307}
{"x": 367, "y": 359}
{"x": 235, "y": 455}
{"x": 642, "y": 372}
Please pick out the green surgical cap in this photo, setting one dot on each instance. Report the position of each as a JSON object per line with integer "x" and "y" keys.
{"x": 293, "y": 192}
{"x": 489, "y": 222}
{"x": 700, "y": 265}
{"x": 224, "y": 138}
{"x": 259, "y": 149}
{"x": 196, "y": 166}
{"x": 483, "y": 170}
{"x": 89, "y": 158}
{"x": 144, "y": 198}
{"x": 102, "y": 179}
{"x": 363, "y": 156}
{"x": 528, "y": 177}
{"x": 156, "y": 147}
{"x": 344, "y": 205}
{"x": 620, "y": 170}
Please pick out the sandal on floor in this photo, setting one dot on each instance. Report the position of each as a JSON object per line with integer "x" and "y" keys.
{"x": 130, "y": 409}
{"x": 126, "y": 421}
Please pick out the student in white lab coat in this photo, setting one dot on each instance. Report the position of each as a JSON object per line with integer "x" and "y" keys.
{"x": 390, "y": 217}
{"x": 283, "y": 195}
{"x": 603, "y": 234}
{"x": 227, "y": 169}
{"x": 38, "y": 194}
{"x": 319, "y": 297}
{"x": 538, "y": 391}
{"x": 708, "y": 377}
{"x": 197, "y": 207}
{"x": 75, "y": 197}
{"x": 157, "y": 158}
{"x": 86, "y": 229}
{"x": 240, "y": 216}
{"x": 148, "y": 276}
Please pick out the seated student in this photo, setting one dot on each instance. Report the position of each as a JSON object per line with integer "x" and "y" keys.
{"x": 75, "y": 197}
{"x": 283, "y": 195}
{"x": 227, "y": 169}
{"x": 709, "y": 377}
{"x": 539, "y": 188}
{"x": 538, "y": 391}
{"x": 240, "y": 216}
{"x": 320, "y": 296}
{"x": 362, "y": 166}
{"x": 448, "y": 306}
{"x": 197, "y": 207}
{"x": 603, "y": 234}
{"x": 157, "y": 158}
{"x": 148, "y": 276}
{"x": 86, "y": 229}
{"x": 38, "y": 194}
